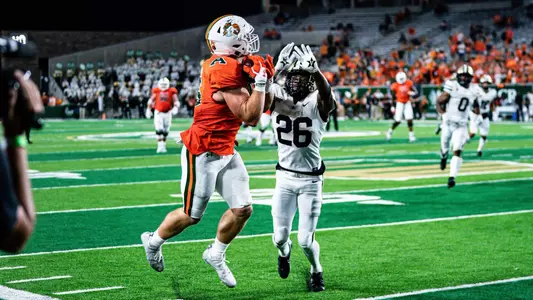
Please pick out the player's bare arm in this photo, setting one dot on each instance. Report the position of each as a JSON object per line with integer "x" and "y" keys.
{"x": 244, "y": 106}
{"x": 325, "y": 101}
{"x": 441, "y": 102}
{"x": 476, "y": 107}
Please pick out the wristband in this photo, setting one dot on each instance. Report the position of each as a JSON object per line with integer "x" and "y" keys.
{"x": 18, "y": 141}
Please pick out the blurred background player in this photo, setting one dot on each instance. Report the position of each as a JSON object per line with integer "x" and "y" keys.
{"x": 401, "y": 91}
{"x": 440, "y": 117}
{"x": 209, "y": 159}
{"x": 264, "y": 123}
{"x": 164, "y": 101}
{"x": 482, "y": 122}
{"x": 300, "y": 110}
{"x": 454, "y": 105}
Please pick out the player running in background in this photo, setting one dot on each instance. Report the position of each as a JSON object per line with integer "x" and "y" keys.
{"x": 164, "y": 101}
{"x": 300, "y": 112}
{"x": 265, "y": 121}
{"x": 454, "y": 104}
{"x": 440, "y": 117}
{"x": 482, "y": 122}
{"x": 402, "y": 90}
{"x": 209, "y": 160}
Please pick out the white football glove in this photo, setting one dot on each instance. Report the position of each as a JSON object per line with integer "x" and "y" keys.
{"x": 148, "y": 113}
{"x": 175, "y": 110}
{"x": 411, "y": 93}
{"x": 285, "y": 59}
{"x": 261, "y": 79}
{"x": 307, "y": 58}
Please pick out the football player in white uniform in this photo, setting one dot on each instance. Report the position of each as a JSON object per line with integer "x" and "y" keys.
{"x": 482, "y": 122}
{"x": 300, "y": 111}
{"x": 440, "y": 117}
{"x": 454, "y": 104}
{"x": 265, "y": 121}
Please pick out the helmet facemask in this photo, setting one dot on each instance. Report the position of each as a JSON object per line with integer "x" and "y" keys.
{"x": 299, "y": 84}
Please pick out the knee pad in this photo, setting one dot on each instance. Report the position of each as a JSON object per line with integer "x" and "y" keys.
{"x": 305, "y": 239}
{"x": 164, "y": 133}
{"x": 158, "y": 132}
{"x": 280, "y": 236}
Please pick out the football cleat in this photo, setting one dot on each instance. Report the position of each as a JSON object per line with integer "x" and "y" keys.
{"x": 443, "y": 162}
{"x": 388, "y": 136}
{"x": 479, "y": 153}
{"x": 438, "y": 129}
{"x": 316, "y": 283}
{"x": 451, "y": 182}
{"x": 154, "y": 256}
{"x": 284, "y": 264}
{"x": 412, "y": 139}
{"x": 219, "y": 264}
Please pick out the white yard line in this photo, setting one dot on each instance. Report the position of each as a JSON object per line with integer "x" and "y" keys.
{"x": 12, "y": 268}
{"x": 450, "y": 288}
{"x": 265, "y": 176}
{"x": 89, "y": 290}
{"x": 40, "y": 279}
{"x": 294, "y": 231}
{"x": 102, "y": 184}
{"x": 13, "y": 294}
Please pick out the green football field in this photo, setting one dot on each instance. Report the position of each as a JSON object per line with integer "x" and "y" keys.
{"x": 389, "y": 226}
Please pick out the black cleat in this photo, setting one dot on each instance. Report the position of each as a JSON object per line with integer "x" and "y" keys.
{"x": 284, "y": 264}
{"x": 443, "y": 162}
{"x": 451, "y": 182}
{"x": 438, "y": 129}
{"x": 316, "y": 284}
{"x": 479, "y": 153}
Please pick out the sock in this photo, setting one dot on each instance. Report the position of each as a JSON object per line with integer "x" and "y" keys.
{"x": 443, "y": 154}
{"x": 219, "y": 248}
{"x": 285, "y": 249}
{"x": 455, "y": 165}
{"x": 313, "y": 254}
{"x": 156, "y": 241}
{"x": 411, "y": 134}
{"x": 390, "y": 131}
{"x": 482, "y": 142}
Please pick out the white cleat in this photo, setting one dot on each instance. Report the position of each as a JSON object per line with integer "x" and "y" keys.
{"x": 219, "y": 264}
{"x": 154, "y": 256}
{"x": 163, "y": 149}
{"x": 388, "y": 136}
{"x": 412, "y": 139}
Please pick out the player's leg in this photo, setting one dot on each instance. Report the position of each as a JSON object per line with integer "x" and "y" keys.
{"x": 248, "y": 132}
{"x": 459, "y": 137}
{"x": 263, "y": 125}
{"x": 398, "y": 113}
{"x": 309, "y": 207}
{"x": 473, "y": 126}
{"x": 283, "y": 209}
{"x": 167, "y": 122}
{"x": 484, "y": 133}
{"x": 198, "y": 178}
{"x": 159, "y": 127}
{"x": 233, "y": 184}
{"x": 444, "y": 144}
{"x": 409, "y": 116}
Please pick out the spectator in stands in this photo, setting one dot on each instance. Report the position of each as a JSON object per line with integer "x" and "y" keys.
{"x": 444, "y": 25}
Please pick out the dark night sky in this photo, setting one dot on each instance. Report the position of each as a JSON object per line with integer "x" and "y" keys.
{"x": 124, "y": 15}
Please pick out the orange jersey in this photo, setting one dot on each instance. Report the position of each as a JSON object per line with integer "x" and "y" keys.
{"x": 215, "y": 127}
{"x": 163, "y": 99}
{"x": 401, "y": 90}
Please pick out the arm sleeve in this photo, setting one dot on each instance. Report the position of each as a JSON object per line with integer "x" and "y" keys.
{"x": 9, "y": 202}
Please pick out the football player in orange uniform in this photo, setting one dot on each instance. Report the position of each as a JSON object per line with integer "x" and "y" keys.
{"x": 209, "y": 160}
{"x": 402, "y": 90}
{"x": 164, "y": 101}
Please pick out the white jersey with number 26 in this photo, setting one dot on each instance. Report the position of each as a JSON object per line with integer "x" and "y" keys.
{"x": 299, "y": 129}
{"x": 461, "y": 100}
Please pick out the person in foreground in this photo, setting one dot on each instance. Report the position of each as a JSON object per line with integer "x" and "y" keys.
{"x": 454, "y": 104}
{"x": 300, "y": 112}
{"x": 17, "y": 209}
{"x": 209, "y": 160}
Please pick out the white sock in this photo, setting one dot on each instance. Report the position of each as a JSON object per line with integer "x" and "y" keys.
{"x": 455, "y": 165}
{"x": 313, "y": 254}
{"x": 390, "y": 131}
{"x": 482, "y": 142}
{"x": 284, "y": 249}
{"x": 219, "y": 248}
{"x": 156, "y": 241}
{"x": 411, "y": 134}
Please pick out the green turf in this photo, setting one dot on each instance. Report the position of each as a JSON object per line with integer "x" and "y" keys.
{"x": 115, "y": 173}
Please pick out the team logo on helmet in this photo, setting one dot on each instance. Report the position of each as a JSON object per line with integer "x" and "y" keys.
{"x": 231, "y": 29}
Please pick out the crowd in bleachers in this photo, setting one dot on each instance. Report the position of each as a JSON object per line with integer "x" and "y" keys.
{"x": 127, "y": 86}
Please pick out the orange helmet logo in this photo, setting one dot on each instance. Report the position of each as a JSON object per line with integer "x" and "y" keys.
{"x": 231, "y": 29}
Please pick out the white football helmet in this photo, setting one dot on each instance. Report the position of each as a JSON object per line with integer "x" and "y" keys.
{"x": 485, "y": 78}
{"x": 231, "y": 35}
{"x": 163, "y": 84}
{"x": 401, "y": 77}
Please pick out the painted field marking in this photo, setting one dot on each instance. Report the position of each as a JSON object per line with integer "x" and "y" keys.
{"x": 89, "y": 290}
{"x": 40, "y": 279}
{"x": 257, "y": 192}
{"x": 12, "y": 268}
{"x": 451, "y": 288}
{"x": 13, "y": 294}
{"x": 102, "y": 184}
{"x": 294, "y": 231}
